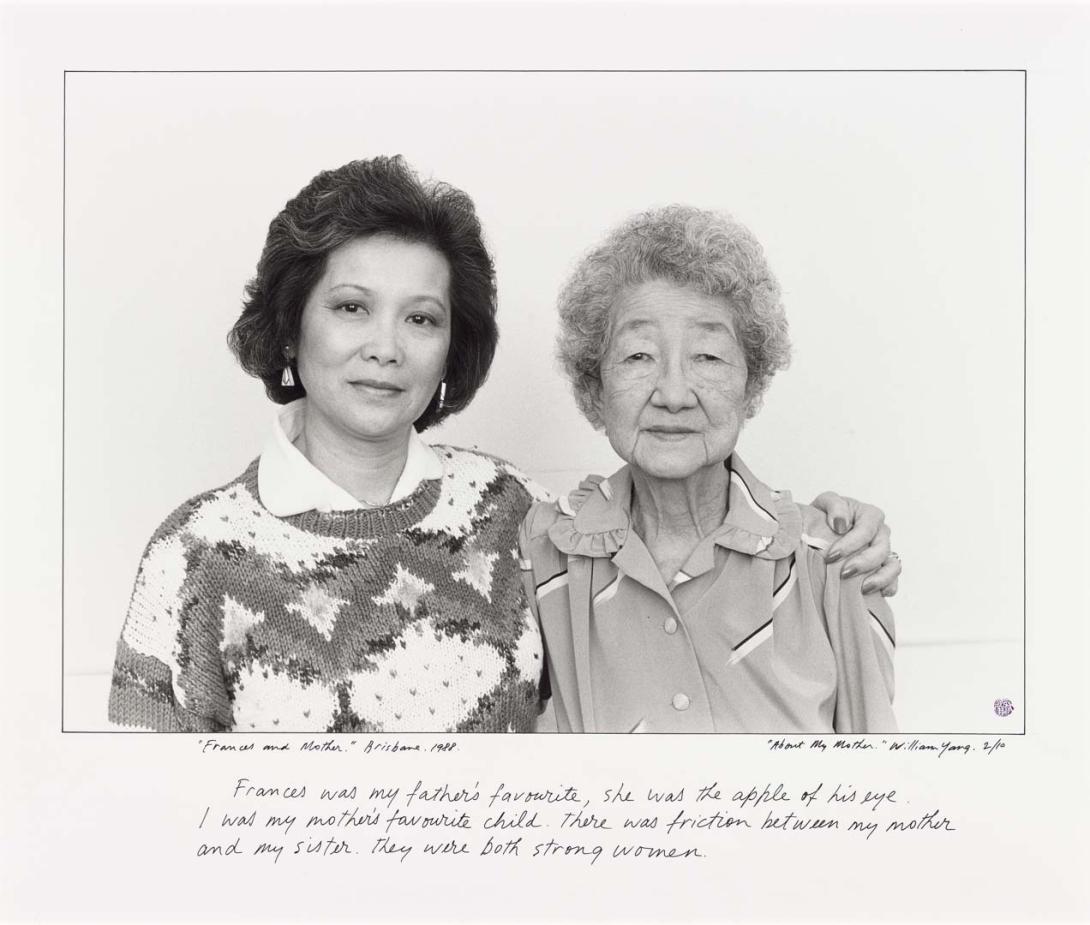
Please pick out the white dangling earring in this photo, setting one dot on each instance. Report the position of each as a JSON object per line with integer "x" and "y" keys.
{"x": 287, "y": 380}
{"x": 442, "y": 394}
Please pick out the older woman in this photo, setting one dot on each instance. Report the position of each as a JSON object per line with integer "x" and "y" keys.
{"x": 354, "y": 577}
{"x": 682, "y": 594}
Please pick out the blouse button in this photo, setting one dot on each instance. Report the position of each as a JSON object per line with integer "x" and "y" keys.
{"x": 670, "y": 625}
{"x": 681, "y": 702}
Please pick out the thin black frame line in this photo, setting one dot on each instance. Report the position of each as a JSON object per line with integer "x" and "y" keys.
{"x": 64, "y": 364}
{"x": 846, "y": 736}
{"x": 1025, "y": 388}
{"x": 531, "y": 70}
{"x": 1025, "y": 317}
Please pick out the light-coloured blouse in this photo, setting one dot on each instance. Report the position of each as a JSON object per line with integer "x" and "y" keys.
{"x": 290, "y": 484}
{"x": 756, "y": 633}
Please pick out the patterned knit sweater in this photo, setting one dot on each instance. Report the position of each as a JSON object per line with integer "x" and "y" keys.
{"x": 408, "y": 618}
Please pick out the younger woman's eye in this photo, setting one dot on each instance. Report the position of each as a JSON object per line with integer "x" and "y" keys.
{"x": 351, "y": 308}
{"x": 421, "y": 319}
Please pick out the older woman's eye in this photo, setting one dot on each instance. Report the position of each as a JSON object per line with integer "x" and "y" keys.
{"x": 636, "y": 357}
{"x": 707, "y": 357}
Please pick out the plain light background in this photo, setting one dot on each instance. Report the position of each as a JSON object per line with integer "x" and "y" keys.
{"x": 98, "y": 827}
{"x": 890, "y": 206}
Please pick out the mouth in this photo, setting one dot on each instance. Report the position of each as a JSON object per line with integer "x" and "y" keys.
{"x": 376, "y": 387}
{"x": 670, "y": 433}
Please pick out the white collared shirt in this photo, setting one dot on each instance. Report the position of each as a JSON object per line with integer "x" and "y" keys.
{"x": 290, "y": 484}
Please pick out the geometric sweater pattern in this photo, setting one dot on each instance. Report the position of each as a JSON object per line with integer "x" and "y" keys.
{"x": 409, "y": 617}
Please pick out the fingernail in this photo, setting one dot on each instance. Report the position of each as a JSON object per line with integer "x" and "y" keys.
{"x": 868, "y": 586}
{"x": 840, "y": 525}
{"x": 848, "y": 571}
{"x": 834, "y": 556}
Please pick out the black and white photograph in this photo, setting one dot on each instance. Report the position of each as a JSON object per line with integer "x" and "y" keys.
{"x": 525, "y": 505}
{"x": 549, "y": 462}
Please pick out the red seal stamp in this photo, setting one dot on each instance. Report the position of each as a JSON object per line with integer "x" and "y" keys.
{"x": 1003, "y": 707}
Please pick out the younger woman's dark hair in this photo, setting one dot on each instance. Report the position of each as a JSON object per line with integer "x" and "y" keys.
{"x": 384, "y": 196}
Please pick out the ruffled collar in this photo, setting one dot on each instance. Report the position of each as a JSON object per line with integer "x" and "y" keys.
{"x": 594, "y": 519}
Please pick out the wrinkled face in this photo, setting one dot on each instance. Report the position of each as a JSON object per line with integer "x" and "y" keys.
{"x": 673, "y": 380}
{"x": 374, "y": 336}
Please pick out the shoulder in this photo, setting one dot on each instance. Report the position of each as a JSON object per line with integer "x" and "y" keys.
{"x": 478, "y": 488}
{"x": 541, "y": 516}
{"x": 176, "y": 555}
{"x": 471, "y": 467}
{"x": 238, "y": 493}
{"x": 557, "y": 527}
{"x": 816, "y": 532}
{"x": 537, "y": 551}
{"x": 548, "y": 511}
{"x": 817, "y": 537}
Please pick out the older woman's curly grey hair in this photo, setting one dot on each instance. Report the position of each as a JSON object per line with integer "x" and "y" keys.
{"x": 694, "y": 248}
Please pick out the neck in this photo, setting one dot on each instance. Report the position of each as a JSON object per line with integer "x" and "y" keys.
{"x": 367, "y": 469}
{"x": 680, "y": 508}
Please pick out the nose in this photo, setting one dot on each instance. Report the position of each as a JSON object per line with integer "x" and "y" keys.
{"x": 382, "y": 343}
{"x": 673, "y": 390}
